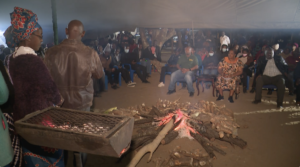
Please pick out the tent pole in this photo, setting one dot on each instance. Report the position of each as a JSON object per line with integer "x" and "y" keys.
{"x": 54, "y": 21}
{"x": 172, "y": 42}
{"x": 193, "y": 33}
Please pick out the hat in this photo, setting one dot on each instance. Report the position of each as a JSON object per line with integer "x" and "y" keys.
{"x": 23, "y": 24}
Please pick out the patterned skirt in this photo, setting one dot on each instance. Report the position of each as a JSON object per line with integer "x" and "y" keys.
{"x": 227, "y": 83}
{"x": 38, "y": 156}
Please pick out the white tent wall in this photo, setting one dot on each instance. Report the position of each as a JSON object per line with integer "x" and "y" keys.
{"x": 108, "y": 15}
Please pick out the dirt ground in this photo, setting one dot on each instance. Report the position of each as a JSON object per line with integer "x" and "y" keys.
{"x": 273, "y": 139}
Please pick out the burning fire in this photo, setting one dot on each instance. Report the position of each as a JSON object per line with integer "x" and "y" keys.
{"x": 183, "y": 128}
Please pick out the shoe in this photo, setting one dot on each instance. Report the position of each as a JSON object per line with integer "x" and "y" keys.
{"x": 161, "y": 85}
{"x": 279, "y": 105}
{"x": 220, "y": 98}
{"x": 145, "y": 81}
{"x": 171, "y": 92}
{"x": 244, "y": 90}
{"x": 252, "y": 90}
{"x": 132, "y": 86}
{"x": 230, "y": 99}
{"x": 131, "y": 83}
{"x": 256, "y": 101}
{"x": 191, "y": 94}
{"x": 115, "y": 87}
{"x": 269, "y": 92}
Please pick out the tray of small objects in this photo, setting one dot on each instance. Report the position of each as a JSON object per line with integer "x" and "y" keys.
{"x": 80, "y": 131}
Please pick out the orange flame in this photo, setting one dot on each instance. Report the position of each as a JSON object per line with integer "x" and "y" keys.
{"x": 180, "y": 116}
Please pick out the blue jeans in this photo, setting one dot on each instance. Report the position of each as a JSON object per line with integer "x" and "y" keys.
{"x": 147, "y": 64}
{"x": 179, "y": 76}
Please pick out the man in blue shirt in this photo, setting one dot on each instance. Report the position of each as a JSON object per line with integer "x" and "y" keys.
{"x": 171, "y": 67}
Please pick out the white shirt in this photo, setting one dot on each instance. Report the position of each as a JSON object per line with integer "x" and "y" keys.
{"x": 224, "y": 40}
{"x": 271, "y": 70}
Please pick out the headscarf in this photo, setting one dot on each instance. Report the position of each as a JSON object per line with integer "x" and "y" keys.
{"x": 295, "y": 44}
{"x": 23, "y": 24}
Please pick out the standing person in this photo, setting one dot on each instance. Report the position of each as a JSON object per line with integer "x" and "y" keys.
{"x": 224, "y": 39}
{"x": 187, "y": 65}
{"x": 295, "y": 46}
{"x": 72, "y": 66}
{"x": 271, "y": 69}
{"x": 34, "y": 88}
{"x": 230, "y": 69}
{"x": 7, "y": 110}
{"x": 6, "y": 153}
{"x": 171, "y": 67}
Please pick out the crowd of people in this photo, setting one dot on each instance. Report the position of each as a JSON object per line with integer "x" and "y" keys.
{"x": 70, "y": 74}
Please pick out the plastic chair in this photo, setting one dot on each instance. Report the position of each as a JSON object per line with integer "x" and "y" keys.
{"x": 120, "y": 79}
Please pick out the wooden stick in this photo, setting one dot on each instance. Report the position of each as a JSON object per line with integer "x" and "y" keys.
{"x": 151, "y": 147}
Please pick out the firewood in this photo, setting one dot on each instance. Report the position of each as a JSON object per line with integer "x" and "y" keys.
{"x": 157, "y": 112}
{"x": 169, "y": 137}
{"x": 151, "y": 147}
{"x": 209, "y": 148}
{"x": 135, "y": 143}
{"x": 146, "y": 133}
{"x": 184, "y": 161}
{"x": 142, "y": 121}
{"x": 211, "y": 133}
{"x": 146, "y": 116}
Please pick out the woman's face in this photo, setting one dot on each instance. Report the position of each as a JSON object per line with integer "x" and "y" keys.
{"x": 231, "y": 54}
{"x": 35, "y": 39}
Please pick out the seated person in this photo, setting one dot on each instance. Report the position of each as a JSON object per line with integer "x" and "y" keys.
{"x": 197, "y": 56}
{"x": 132, "y": 59}
{"x": 286, "y": 53}
{"x": 270, "y": 70}
{"x": 106, "y": 60}
{"x": 153, "y": 54}
{"x": 210, "y": 63}
{"x": 171, "y": 67}
{"x": 187, "y": 65}
{"x": 292, "y": 62}
{"x": 224, "y": 52}
{"x": 297, "y": 82}
{"x": 116, "y": 61}
{"x": 247, "y": 62}
{"x": 230, "y": 68}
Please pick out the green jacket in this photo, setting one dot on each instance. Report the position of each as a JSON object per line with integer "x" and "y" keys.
{"x": 6, "y": 153}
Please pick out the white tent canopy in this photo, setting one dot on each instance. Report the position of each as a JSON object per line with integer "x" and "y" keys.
{"x": 108, "y": 15}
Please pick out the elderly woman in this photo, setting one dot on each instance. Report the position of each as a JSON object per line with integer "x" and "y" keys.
{"x": 230, "y": 68}
{"x": 34, "y": 87}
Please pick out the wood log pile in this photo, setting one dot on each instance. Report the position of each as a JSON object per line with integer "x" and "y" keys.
{"x": 205, "y": 120}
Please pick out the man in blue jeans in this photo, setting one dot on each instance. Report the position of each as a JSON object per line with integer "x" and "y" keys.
{"x": 187, "y": 65}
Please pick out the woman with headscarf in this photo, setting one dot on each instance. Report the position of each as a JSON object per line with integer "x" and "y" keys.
{"x": 34, "y": 87}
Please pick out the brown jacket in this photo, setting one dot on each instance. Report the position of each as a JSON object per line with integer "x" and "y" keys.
{"x": 72, "y": 66}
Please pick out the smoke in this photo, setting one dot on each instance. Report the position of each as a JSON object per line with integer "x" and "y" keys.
{"x": 2, "y": 39}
